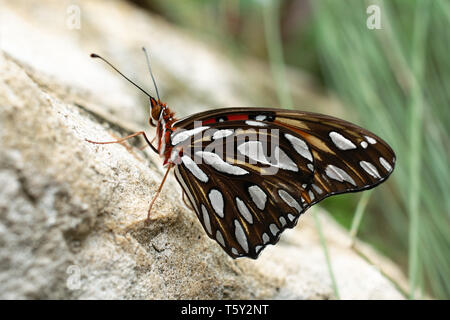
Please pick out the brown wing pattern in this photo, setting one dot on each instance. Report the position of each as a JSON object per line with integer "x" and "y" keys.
{"x": 250, "y": 179}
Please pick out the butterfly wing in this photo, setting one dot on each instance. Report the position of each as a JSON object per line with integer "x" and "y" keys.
{"x": 250, "y": 173}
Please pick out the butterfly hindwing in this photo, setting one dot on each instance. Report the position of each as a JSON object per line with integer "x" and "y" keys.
{"x": 238, "y": 206}
{"x": 250, "y": 173}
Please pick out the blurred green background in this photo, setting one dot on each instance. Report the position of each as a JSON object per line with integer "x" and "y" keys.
{"x": 392, "y": 80}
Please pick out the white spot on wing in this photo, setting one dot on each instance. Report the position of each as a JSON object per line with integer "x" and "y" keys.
{"x": 291, "y": 217}
{"x": 317, "y": 189}
{"x": 370, "y": 140}
{"x": 289, "y": 200}
{"x": 274, "y": 229}
{"x": 283, "y": 160}
{"x": 265, "y": 238}
{"x": 219, "y": 238}
{"x": 261, "y": 117}
{"x": 310, "y": 166}
{"x": 222, "y": 134}
{"x": 338, "y": 174}
{"x": 240, "y": 235}
{"x": 364, "y": 144}
{"x": 234, "y": 251}
{"x": 258, "y": 196}
{"x": 180, "y": 136}
{"x": 243, "y": 210}
{"x": 206, "y": 220}
{"x": 385, "y": 164}
{"x": 370, "y": 169}
{"x": 311, "y": 195}
{"x": 194, "y": 169}
{"x": 253, "y": 150}
{"x": 216, "y": 199}
{"x": 300, "y": 146}
{"x": 217, "y": 163}
{"x": 255, "y": 123}
{"x": 282, "y": 221}
{"x": 341, "y": 142}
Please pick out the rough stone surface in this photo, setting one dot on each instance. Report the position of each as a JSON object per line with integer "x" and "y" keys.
{"x": 72, "y": 213}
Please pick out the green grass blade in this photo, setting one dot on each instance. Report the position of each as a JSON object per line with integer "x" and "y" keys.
{"x": 416, "y": 135}
{"x": 359, "y": 212}
{"x": 271, "y": 16}
{"x": 327, "y": 256}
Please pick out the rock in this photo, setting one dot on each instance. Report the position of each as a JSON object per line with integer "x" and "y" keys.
{"x": 72, "y": 213}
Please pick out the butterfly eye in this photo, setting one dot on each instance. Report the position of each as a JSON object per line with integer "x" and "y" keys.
{"x": 155, "y": 110}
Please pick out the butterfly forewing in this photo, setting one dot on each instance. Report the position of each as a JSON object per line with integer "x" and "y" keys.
{"x": 250, "y": 173}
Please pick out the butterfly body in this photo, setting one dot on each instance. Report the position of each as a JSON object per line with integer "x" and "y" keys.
{"x": 164, "y": 128}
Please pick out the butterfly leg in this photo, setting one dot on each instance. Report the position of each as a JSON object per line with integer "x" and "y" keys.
{"x": 143, "y": 147}
{"x": 126, "y": 138}
{"x": 158, "y": 191}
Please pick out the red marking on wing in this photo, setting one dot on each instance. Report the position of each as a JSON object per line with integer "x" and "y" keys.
{"x": 209, "y": 121}
{"x": 232, "y": 117}
{"x": 235, "y": 117}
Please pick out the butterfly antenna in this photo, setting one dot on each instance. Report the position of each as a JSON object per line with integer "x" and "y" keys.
{"x": 150, "y": 69}
{"x": 93, "y": 55}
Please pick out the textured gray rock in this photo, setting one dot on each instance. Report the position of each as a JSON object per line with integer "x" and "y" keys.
{"x": 72, "y": 213}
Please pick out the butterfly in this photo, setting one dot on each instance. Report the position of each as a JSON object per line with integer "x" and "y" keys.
{"x": 249, "y": 173}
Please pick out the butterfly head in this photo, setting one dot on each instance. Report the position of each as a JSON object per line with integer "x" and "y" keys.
{"x": 156, "y": 110}
{"x": 160, "y": 113}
